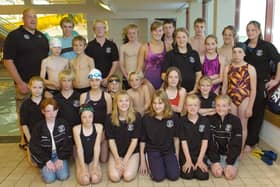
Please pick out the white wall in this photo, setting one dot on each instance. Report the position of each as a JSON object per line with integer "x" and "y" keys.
{"x": 124, "y": 16}
{"x": 225, "y": 16}
{"x": 195, "y": 11}
{"x": 116, "y": 26}
{"x": 270, "y": 134}
{"x": 219, "y": 13}
{"x": 210, "y": 14}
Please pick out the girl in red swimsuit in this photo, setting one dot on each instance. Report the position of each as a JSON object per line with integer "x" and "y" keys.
{"x": 172, "y": 86}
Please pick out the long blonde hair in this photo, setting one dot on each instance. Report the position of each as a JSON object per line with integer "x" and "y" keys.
{"x": 131, "y": 114}
{"x": 161, "y": 95}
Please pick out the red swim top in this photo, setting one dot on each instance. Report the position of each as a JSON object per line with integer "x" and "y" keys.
{"x": 175, "y": 101}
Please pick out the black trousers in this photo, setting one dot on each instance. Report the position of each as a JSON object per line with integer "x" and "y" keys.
{"x": 255, "y": 122}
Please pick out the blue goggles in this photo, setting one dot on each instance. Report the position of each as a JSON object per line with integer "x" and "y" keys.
{"x": 95, "y": 76}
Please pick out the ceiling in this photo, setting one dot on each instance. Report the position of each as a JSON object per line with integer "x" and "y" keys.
{"x": 117, "y": 5}
{"x": 148, "y": 4}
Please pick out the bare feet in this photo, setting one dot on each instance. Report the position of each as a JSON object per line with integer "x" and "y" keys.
{"x": 247, "y": 149}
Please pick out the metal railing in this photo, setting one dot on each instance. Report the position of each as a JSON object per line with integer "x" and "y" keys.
{"x": 6, "y": 26}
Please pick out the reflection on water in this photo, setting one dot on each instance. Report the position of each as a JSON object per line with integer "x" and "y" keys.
{"x": 8, "y": 116}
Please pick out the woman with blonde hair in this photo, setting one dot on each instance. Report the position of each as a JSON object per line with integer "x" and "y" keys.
{"x": 122, "y": 129}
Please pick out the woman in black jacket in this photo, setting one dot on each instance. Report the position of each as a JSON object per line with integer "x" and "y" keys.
{"x": 51, "y": 143}
{"x": 259, "y": 53}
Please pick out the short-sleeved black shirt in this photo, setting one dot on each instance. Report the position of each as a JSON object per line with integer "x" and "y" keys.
{"x": 103, "y": 55}
{"x": 188, "y": 63}
{"x": 260, "y": 56}
{"x": 193, "y": 134}
{"x": 207, "y": 102}
{"x": 30, "y": 113}
{"x": 27, "y": 51}
{"x": 69, "y": 108}
{"x": 123, "y": 134}
{"x": 158, "y": 134}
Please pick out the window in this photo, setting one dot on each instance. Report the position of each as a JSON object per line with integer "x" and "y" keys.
{"x": 276, "y": 26}
{"x": 47, "y": 23}
{"x": 56, "y": 2}
{"x": 11, "y": 2}
{"x": 250, "y": 10}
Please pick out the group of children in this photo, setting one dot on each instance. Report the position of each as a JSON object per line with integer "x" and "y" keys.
{"x": 167, "y": 133}
{"x": 159, "y": 142}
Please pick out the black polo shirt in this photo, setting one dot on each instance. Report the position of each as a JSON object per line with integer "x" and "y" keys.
{"x": 123, "y": 134}
{"x": 103, "y": 55}
{"x": 260, "y": 56}
{"x": 193, "y": 134}
{"x": 30, "y": 113}
{"x": 27, "y": 50}
{"x": 207, "y": 102}
{"x": 69, "y": 108}
{"x": 188, "y": 63}
{"x": 158, "y": 134}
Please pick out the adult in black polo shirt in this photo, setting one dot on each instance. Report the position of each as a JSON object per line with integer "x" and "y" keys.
{"x": 259, "y": 53}
{"x": 24, "y": 50}
{"x": 103, "y": 51}
{"x": 184, "y": 58}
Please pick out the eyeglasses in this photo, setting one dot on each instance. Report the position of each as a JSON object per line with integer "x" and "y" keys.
{"x": 114, "y": 80}
{"x": 95, "y": 76}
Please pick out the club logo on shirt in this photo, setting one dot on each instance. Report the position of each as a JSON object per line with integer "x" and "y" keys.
{"x": 76, "y": 103}
{"x": 259, "y": 52}
{"x": 61, "y": 128}
{"x": 191, "y": 59}
{"x": 39, "y": 36}
{"x": 201, "y": 128}
{"x": 169, "y": 123}
{"x": 26, "y": 36}
{"x": 228, "y": 127}
{"x": 130, "y": 127}
{"x": 108, "y": 50}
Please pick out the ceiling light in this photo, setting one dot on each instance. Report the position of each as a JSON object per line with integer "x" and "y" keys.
{"x": 106, "y": 4}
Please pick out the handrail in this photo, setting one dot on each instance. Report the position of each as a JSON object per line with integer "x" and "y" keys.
{"x": 6, "y": 26}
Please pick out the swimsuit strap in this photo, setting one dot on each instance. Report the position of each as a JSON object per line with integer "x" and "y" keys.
{"x": 87, "y": 97}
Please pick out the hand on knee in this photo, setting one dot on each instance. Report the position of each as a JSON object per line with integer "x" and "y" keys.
{"x": 217, "y": 170}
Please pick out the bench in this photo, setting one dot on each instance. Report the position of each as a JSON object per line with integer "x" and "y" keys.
{"x": 274, "y": 119}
